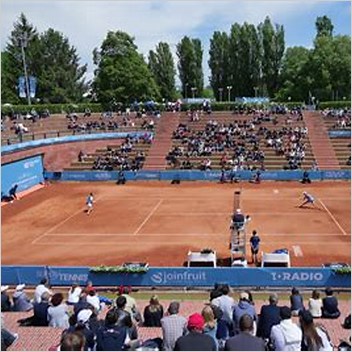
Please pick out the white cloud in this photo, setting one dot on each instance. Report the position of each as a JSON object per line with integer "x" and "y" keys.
{"x": 86, "y": 23}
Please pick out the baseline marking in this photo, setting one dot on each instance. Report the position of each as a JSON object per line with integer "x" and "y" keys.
{"x": 148, "y": 217}
{"x": 297, "y": 251}
{"x": 332, "y": 217}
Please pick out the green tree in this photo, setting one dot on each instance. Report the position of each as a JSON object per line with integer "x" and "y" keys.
{"x": 161, "y": 64}
{"x": 234, "y": 61}
{"x": 23, "y": 34}
{"x": 190, "y": 56}
{"x": 324, "y": 27}
{"x": 122, "y": 74}
{"x": 60, "y": 76}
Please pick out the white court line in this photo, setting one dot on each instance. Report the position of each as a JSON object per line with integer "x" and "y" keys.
{"x": 332, "y": 217}
{"x": 297, "y": 251}
{"x": 148, "y": 217}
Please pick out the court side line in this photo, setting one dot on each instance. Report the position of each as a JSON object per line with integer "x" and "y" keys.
{"x": 60, "y": 223}
{"x": 332, "y": 217}
{"x": 148, "y": 217}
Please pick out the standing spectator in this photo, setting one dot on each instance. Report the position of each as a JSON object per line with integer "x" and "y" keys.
{"x": 173, "y": 326}
{"x": 315, "y": 304}
{"x": 330, "y": 308}
{"x": 296, "y": 302}
{"x": 254, "y": 241}
{"x": 268, "y": 317}
{"x": 195, "y": 340}
{"x": 74, "y": 294}
{"x": 6, "y": 305}
{"x": 153, "y": 313}
{"x": 40, "y": 289}
{"x": 40, "y": 310}
{"x": 57, "y": 313}
{"x": 72, "y": 341}
{"x": 20, "y": 300}
{"x": 226, "y": 303}
{"x": 243, "y": 307}
{"x": 245, "y": 341}
{"x": 210, "y": 324}
{"x": 315, "y": 338}
{"x": 286, "y": 336}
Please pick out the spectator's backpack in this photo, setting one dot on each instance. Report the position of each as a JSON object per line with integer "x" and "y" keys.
{"x": 347, "y": 322}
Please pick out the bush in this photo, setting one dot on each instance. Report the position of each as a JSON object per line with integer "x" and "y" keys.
{"x": 335, "y": 104}
{"x": 118, "y": 269}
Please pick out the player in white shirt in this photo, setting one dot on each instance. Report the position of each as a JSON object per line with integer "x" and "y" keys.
{"x": 89, "y": 203}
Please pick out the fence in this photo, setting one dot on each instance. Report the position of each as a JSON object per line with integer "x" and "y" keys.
{"x": 179, "y": 277}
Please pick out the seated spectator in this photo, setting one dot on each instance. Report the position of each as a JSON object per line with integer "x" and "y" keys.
{"x": 315, "y": 338}
{"x": 6, "y": 304}
{"x": 226, "y": 303}
{"x": 57, "y": 312}
{"x": 286, "y": 336}
{"x": 40, "y": 317}
{"x": 296, "y": 302}
{"x": 131, "y": 304}
{"x": 268, "y": 317}
{"x": 72, "y": 341}
{"x": 7, "y": 338}
{"x": 243, "y": 307}
{"x": 173, "y": 326}
{"x": 74, "y": 294}
{"x": 153, "y": 313}
{"x": 93, "y": 299}
{"x": 40, "y": 289}
{"x": 195, "y": 340}
{"x": 210, "y": 324}
{"x": 111, "y": 336}
{"x": 20, "y": 300}
{"x": 315, "y": 304}
{"x": 330, "y": 308}
{"x": 245, "y": 341}
{"x": 125, "y": 318}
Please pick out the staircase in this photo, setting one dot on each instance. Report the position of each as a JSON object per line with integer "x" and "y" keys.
{"x": 320, "y": 142}
{"x": 162, "y": 142}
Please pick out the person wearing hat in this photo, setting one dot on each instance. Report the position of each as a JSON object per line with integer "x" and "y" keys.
{"x": 6, "y": 305}
{"x": 286, "y": 336}
{"x": 245, "y": 341}
{"x": 268, "y": 317}
{"x": 315, "y": 338}
{"x": 20, "y": 300}
{"x": 173, "y": 326}
{"x": 195, "y": 340}
{"x": 243, "y": 307}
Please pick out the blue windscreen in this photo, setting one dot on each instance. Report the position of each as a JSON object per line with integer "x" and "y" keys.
{"x": 25, "y": 172}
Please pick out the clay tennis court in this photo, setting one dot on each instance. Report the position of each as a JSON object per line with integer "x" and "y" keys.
{"x": 159, "y": 223}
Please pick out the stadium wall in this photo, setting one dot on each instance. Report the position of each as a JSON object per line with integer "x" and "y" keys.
{"x": 179, "y": 277}
{"x": 194, "y": 175}
{"x": 26, "y": 173}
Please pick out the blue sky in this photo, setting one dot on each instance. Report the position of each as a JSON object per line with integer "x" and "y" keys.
{"x": 86, "y": 23}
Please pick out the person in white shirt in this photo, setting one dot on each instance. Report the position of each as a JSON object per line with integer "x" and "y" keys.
{"x": 315, "y": 304}
{"x": 286, "y": 336}
{"x": 93, "y": 299}
{"x": 225, "y": 303}
{"x": 74, "y": 294}
{"x": 40, "y": 289}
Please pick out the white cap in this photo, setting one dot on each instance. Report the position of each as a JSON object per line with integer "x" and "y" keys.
{"x": 20, "y": 287}
{"x": 238, "y": 210}
{"x": 304, "y": 192}
{"x": 84, "y": 315}
{"x": 4, "y": 288}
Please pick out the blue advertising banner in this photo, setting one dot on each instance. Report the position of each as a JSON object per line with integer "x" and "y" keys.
{"x": 22, "y": 87}
{"x": 340, "y": 134}
{"x": 32, "y": 86}
{"x": 26, "y": 173}
{"x": 179, "y": 277}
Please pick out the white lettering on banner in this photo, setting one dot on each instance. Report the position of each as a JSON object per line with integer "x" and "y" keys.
{"x": 103, "y": 176}
{"x": 186, "y": 277}
{"x": 67, "y": 277}
{"x": 304, "y": 276}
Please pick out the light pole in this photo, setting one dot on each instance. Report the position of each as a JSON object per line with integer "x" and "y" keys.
{"x": 23, "y": 43}
{"x": 186, "y": 86}
{"x": 229, "y": 92}
{"x": 220, "y": 93}
{"x": 193, "y": 89}
{"x": 256, "y": 91}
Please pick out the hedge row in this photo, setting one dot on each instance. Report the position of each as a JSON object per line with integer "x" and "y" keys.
{"x": 335, "y": 104}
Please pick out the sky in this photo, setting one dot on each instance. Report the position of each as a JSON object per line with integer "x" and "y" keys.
{"x": 86, "y": 23}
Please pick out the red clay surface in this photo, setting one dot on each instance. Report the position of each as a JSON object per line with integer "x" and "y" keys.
{"x": 159, "y": 223}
